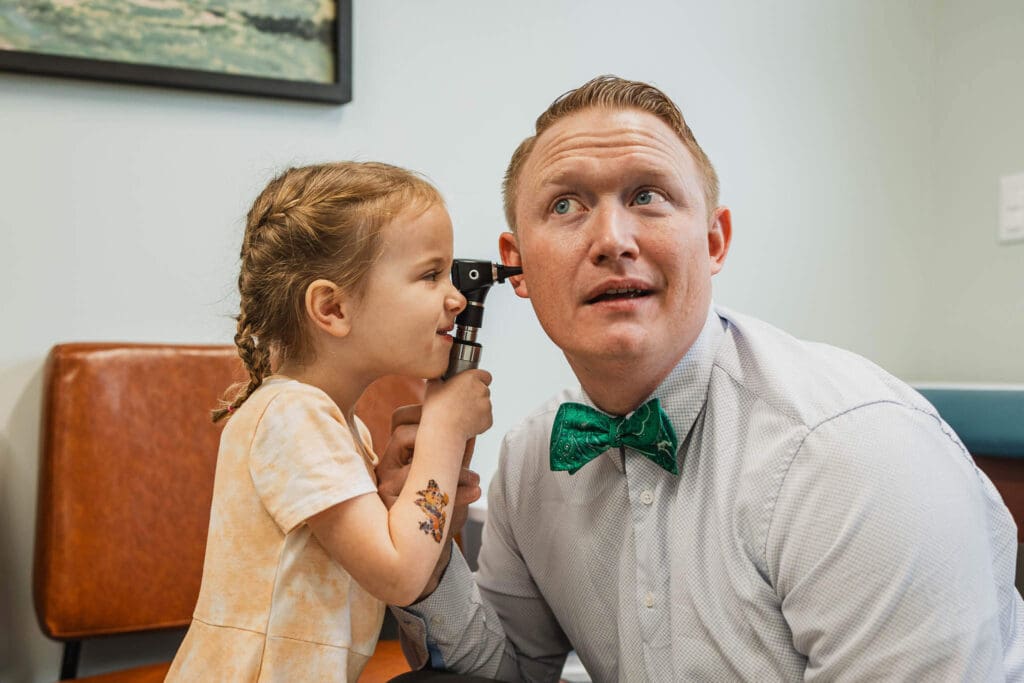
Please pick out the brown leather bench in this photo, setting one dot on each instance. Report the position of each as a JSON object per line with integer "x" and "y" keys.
{"x": 126, "y": 478}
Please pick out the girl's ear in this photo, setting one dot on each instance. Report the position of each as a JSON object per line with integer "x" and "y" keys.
{"x": 508, "y": 247}
{"x": 328, "y": 308}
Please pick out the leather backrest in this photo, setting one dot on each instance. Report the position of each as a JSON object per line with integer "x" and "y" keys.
{"x": 127, "y": 462}
{"x": 988, "y": 419}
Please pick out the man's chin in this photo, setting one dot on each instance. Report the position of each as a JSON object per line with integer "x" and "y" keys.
{"x": 607, "y": 347}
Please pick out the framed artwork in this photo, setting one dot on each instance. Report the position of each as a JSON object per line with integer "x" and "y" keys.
{"x": 297, "y": 49}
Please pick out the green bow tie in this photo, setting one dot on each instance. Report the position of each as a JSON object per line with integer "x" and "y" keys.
{"x": 581, "y": 433}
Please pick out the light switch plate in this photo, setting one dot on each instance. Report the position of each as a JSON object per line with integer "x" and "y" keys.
{"x": 1011, "y": 208}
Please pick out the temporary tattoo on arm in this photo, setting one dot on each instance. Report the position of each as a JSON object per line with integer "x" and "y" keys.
{"x": 433, "y": 503}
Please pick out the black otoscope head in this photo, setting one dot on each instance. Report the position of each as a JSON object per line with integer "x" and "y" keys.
{"x": 474, "y": 280}
{"x": 469, "y": 275}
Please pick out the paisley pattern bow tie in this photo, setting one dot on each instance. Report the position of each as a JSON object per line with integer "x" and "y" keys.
{"x": 581, "y": 433}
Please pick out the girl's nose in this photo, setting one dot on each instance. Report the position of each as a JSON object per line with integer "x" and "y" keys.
{"x": 455, "y": 301}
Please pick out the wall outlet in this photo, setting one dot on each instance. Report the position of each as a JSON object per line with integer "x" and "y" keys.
{"x": 1011, "y": 208}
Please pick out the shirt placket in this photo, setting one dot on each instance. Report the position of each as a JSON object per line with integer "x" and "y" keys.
{"x": 651, "y": 590}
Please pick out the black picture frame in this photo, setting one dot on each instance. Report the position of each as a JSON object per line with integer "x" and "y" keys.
{"x": 338, "y": 92}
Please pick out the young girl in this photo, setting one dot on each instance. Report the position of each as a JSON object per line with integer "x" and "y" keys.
{"x": 344, "y": 279}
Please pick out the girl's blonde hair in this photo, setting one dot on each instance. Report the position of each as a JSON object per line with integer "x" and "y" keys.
{"x": 313, "y": 222}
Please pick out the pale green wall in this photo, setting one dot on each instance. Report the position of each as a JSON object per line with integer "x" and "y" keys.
{"x": 972, "y": 320}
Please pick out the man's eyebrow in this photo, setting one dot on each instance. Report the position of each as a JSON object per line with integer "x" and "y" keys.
{"x": 671, "y": 174}
{"x": 558, "y": 177}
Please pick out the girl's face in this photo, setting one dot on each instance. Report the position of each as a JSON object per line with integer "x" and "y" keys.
{"x": 408, "y": 307}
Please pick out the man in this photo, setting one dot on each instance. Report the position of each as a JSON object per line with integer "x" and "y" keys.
{"x": 781, "y": 510}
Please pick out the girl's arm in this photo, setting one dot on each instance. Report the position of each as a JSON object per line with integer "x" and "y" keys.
{"x": 392, "y": 553}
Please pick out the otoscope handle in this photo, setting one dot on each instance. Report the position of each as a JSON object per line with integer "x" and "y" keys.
{"x": 465, "y": 355}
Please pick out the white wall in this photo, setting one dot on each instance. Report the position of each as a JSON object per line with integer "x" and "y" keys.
{"x": 835, "y": 127}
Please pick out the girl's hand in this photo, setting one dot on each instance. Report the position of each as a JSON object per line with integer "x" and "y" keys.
{"x": 461, "y": 404}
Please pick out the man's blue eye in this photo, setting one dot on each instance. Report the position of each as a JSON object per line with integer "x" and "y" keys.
{"x": 562, "y": 206}
{"x": 648, "y": 197}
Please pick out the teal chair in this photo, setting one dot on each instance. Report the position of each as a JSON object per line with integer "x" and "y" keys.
{"x": 990, "y": 422}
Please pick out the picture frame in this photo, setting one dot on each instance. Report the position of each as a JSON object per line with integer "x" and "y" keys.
{"x": 297, "y": 56}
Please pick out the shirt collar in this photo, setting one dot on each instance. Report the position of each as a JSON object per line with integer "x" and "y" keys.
{"x": 684, "y": 390}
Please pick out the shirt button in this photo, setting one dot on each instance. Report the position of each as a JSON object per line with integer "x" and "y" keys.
{"x": 649, "y": 600}
{"x": 647, "y": 497}
{"x": 437, "y": 621}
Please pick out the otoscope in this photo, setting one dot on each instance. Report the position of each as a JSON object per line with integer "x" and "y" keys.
{"x": 474, "y": 280}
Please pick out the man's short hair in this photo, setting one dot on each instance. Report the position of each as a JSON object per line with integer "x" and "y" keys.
{"x": 610, "y": 92}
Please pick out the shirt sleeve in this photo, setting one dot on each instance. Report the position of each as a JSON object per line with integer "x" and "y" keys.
{"x": 886, "y": 551}
{"x": 473, "y": 626}
{"x": 303, "y": 459}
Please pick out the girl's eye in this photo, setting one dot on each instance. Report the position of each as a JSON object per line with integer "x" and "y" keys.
{"x": 432, "y": 275}
{"x": 645, "y": 197}
{"x": 565, "y": 205}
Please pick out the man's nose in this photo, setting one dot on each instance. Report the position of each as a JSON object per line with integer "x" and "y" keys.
{"x": 612, "y": 235}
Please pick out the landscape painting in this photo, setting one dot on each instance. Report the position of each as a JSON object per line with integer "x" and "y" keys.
{"x": 284, "y": 48}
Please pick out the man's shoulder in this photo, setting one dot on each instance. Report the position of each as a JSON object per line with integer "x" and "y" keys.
{"x": 537, "y": 423}
{"x": 809, "y": 382}
{"x": 525, "y": 446}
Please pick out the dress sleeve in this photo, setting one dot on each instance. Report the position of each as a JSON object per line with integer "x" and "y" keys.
{"x": 885, "y": 549}
{"x": 303, "y": 459}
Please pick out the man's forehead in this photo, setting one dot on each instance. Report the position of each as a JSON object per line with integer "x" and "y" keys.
{"x": 627, "y": 136}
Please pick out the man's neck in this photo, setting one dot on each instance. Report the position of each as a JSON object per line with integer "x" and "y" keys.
{"x": 619, "y": 385}
{"x": 619, "y": 388}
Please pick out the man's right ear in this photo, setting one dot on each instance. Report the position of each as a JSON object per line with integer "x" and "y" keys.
{"x": 508, "y": 247}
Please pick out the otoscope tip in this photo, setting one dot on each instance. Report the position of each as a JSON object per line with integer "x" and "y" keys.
{"x": 507, "y": 271}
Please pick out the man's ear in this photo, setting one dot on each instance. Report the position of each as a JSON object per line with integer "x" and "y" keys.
{"x": 508, "y": 247}
{"x": 719, "y": 238}
{"x": 328, "y": 308}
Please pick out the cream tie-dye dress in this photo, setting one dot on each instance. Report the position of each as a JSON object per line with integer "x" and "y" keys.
{"x": 273, "y": 605}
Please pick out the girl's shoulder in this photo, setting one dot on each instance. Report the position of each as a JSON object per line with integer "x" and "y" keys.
{"x": 278, "y": 393}
{"x": 286, "y": 405}
{"x": 281, "y": 385}
{"x": 283, "y": 401}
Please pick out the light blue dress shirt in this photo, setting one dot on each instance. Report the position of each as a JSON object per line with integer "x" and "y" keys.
{"x": 826, "y": 525}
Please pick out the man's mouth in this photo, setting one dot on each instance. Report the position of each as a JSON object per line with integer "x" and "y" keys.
{"x": 616, "y": 293}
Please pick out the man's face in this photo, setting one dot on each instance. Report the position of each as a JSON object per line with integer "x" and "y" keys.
{"x": 615, "y": 240}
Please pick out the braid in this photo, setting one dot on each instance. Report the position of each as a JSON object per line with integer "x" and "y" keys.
{"x": 255, "y": 357}
{"x": 269, "y": 201}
